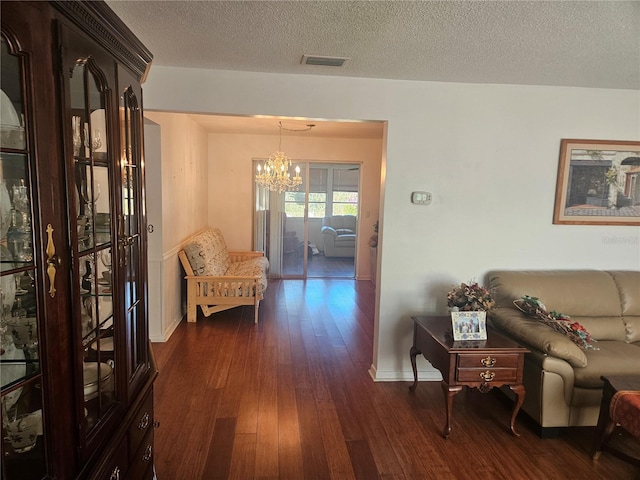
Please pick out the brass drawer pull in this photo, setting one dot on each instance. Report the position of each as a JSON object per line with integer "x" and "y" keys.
{"x": 488, "y": 362}
{"x": 52, "y": 261}
{"x": 115, "y": 475}
{"x": 487, "y": 376}
{"x": 144, "y": 422}
{"x": 147, "y": 453}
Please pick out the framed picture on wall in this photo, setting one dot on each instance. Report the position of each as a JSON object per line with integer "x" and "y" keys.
{"x": 598, "y": 183}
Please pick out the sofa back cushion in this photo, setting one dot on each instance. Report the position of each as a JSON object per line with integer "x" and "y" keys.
{"x": 207, "y": 253}
{"x": 628, "y": 283}
{"x": 341, "y": 222}
{"x": 590, "y": 297}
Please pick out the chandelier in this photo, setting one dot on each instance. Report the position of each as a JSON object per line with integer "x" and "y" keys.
{"x": 275, "y": 174}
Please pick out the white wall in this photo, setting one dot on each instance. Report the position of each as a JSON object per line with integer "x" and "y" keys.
{"x": 488, "y": 153}
{"x": 231, "y": 182}
{"x": 176, "y": 173}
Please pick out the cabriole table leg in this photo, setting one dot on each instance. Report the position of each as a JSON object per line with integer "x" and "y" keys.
{"x": 519, "y": 391}
{"x": 413, "y": 353}
{"x": 449, "y": 393}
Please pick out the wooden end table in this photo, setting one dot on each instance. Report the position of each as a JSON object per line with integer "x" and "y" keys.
{"x": 481, "y": 364}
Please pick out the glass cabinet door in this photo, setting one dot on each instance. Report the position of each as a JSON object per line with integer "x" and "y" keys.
{"x": 132, "y": 234}
{"x": 92, "y": 175}
{"x": 23, "y": 441}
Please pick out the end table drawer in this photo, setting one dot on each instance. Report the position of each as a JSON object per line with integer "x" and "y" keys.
{"x": 488, "y": 361}
{"x": 507, "y": 375}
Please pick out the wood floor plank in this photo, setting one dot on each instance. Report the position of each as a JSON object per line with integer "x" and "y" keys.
{"x": 364, "y": 465}
{"x": 218, "y": 463}
{"x": 242, "y": 458}
{"x": 314, "y": 460}
{"x": 289, "y": 442}
{"x": 291, "y": 398}
{"x": 266, "y": 463}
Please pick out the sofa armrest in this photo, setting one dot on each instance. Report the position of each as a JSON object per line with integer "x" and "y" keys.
{"x": 329, "y": 231}
{"x": 537, "y": 335}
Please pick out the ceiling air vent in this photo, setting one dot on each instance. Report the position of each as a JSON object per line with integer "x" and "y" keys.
{"x": 323, "y": 60}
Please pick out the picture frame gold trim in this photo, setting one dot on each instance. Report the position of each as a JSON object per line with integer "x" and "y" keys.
{"x": 598, "y": 183}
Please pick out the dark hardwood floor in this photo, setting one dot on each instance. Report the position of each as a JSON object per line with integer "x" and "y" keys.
{"x": 319, "y": 266}
{"x": 291, "y": 398}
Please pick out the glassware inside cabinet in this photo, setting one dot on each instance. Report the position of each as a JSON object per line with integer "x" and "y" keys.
{"x": 92, "y": 175}
{"x": 23, "y": 445}
{"x": 11, "y": 104}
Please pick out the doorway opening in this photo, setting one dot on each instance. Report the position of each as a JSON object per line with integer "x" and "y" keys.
{"x": 311, "y": 232}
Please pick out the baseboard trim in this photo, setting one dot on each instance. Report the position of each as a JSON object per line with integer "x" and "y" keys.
{"x": 431, "y": 375}
{"x": 169, "y": 331}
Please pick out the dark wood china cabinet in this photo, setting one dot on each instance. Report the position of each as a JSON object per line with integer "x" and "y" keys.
{"x": 76, "y": 369}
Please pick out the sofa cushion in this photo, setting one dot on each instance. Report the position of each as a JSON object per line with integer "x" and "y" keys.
{"x": 628, "y": 283}
{"x": 347, "y": 222}
{"x": 596, "y": 293}
{"x": 537, "y": 335}
{"x": 561, "y": 323}
{"x": 612, "y": 358}
{"x": 629, "y": 286}
{"x": 344, "y": 240}
{"x": 207, "y": 253}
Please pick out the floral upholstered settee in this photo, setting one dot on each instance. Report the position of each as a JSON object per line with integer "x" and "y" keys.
{"x": 218, "y": 279}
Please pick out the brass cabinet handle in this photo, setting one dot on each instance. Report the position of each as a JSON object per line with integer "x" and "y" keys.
{"x": 53, "y": 262}
{"x": 115, "y": 475}
{"x": 487, "y": 376}
{"x": 488, "y": 362}
{"x": 147, "y": 453}
{"x": 144, "y": 422}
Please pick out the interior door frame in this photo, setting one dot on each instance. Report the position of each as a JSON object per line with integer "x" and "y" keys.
{"x": 274, "y": 253}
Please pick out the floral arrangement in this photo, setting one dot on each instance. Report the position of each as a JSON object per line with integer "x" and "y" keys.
{"x": 470, "y": 297}
{"x": 560, "y": 322}
{"x": 574, "y": 329}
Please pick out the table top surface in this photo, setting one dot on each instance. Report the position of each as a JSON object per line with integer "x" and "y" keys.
{"x": 623, "y": 382}
{"x": 441, "y": 330}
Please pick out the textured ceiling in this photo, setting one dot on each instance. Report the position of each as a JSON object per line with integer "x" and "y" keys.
{"x": 560, "y": 43}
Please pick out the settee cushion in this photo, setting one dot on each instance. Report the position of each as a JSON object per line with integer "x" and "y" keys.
{"x": 207, "y": 253}
{"x": 254, "y": 267}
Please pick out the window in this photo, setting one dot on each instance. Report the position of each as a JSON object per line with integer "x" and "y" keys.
{"x": 332, "y": 191}
{"x": 294, "y": 204}
{"x": 345, "y": 191}
{"x": 345, "y": 203}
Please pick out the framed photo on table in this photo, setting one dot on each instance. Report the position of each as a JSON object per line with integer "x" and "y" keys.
{"x": 469, "y": 325}
{"x": 598, "y": 183}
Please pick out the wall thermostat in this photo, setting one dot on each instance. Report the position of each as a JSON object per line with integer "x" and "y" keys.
{"x": 421, "y": 198}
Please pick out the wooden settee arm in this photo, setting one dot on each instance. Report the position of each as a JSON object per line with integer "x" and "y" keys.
{"x": 224, "y": 278}
{"x": 242, "y": 256}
